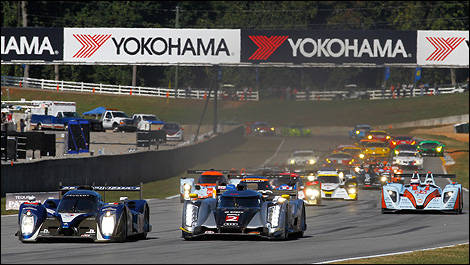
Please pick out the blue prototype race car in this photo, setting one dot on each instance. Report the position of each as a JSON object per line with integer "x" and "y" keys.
{"x": 82, "y": 213}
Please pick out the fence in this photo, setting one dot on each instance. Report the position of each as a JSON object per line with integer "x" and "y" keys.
{"x": 407, "y": 91}
{"x": 118, "y": 89}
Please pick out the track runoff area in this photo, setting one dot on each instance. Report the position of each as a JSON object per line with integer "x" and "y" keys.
{"x": 336, "y": 230}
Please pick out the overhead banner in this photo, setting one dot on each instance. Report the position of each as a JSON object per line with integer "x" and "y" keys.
{"x": 147, "y": 45}
{"x": 442, "y": 47}
{"x": 41, "y": 44}
{"x": 325, "y": 46}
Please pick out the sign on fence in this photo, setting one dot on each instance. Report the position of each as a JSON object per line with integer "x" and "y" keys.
{"x": 14, "y": 200}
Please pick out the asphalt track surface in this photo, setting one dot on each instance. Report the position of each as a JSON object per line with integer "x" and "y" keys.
{"x": 335, "y": 230}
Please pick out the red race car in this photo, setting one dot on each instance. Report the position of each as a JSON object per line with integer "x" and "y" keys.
{"x": 397, "y": 140}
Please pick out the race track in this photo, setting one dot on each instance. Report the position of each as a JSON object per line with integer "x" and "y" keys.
{"x": 336, "y": 230}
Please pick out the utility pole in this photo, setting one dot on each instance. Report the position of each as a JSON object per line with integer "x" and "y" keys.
{"x": 176, "y": 67}
{"x": 25, "y": 24}
{"x": 218, "y": 77}
{"x": 134, "y": 75}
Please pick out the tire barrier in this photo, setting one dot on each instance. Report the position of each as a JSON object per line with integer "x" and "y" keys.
{"x": 127, "y": 169}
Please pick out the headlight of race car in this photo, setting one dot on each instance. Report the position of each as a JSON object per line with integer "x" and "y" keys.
{"x": 393, "y": 195}
{"x": 273, "y": 215}
{"x": 191, "y": 214}
{"x": 397, "y": 152}
{"x": 311, "y": 161}
{"x": 369, "y": 137}
{"x": 356, "y": 169}
{"x": 357, "y": 132}
{"x": 383, "y": 178}
{"x": 447, "y": 196}
{"x": 361, "y": 156}
{"x": 187, "y": 189}
{"x": 27, "y": 223}
{"x": 292, "y": 161}
{"x": 107, "y": 223}
{"x": 311, "y": 178}
{"x": 272, "y": 129}
{"x": 418, "y": 161}
{"x": 312, "y": 193}
{"x": 352, "y": 190}
{"x": 341, "y": 174}
{"x": 439, "y": 149}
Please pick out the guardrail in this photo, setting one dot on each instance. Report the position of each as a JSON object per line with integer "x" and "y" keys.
{"x": 119, "y": 90}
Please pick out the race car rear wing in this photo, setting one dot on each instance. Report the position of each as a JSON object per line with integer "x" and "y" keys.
{"x": 200, "y": 171}
{"x": 450, "y": 176}
{"x": 105, "y": 188}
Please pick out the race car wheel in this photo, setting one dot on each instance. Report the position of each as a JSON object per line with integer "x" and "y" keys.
{"x": 123, "y": 229}
{"x": 459, "y": 211}
{"x": 39, "y": 127}
{"x": 114, "y": 127}
{"x": 143, "y": 236}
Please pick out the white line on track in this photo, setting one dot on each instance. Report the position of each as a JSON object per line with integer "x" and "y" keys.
{"x": 275, "y": 153}
{"x": 172, "y": 197}
{"x": 389, "y": 254}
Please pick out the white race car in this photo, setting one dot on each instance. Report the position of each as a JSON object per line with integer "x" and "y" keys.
{"x": 302, "y": 158}
{"x": 422, "y": 196}
{"x": 408, "y": 158}
{"x": 335, "y": 187}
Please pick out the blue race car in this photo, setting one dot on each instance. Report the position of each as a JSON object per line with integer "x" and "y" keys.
{"x": 82, "y": 213}
{"x": 359, "y": 131}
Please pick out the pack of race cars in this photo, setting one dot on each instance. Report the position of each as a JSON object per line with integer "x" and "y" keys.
{"x": 265, "y": 202}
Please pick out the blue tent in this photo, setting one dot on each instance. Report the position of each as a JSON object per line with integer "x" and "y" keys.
{"x": 97, "y": 111}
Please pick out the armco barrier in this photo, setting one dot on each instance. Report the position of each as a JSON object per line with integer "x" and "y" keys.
{"x": 128, "y": 169}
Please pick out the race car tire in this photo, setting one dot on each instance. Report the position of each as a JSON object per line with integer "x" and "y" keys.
{"x": 143, "y": 236}
{"x": 187, "y": 236}
{"x": 123, "y": 228}
{"x": 460, "y": 210}
{"x": 302, "y": 225}
{"x": 39, "y": 127}
{"x": 181, "y": 198}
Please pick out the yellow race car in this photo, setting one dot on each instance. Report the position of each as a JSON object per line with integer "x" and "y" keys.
{"x": 374, "y": 149}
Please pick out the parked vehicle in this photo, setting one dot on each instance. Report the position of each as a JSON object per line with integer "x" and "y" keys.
{"x": 147, "y": 122}
{"x": 111, "y": 119}
{"x": 53, "y": 114}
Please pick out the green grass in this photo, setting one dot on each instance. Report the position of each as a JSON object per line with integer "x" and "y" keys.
{"x": 278, "y": 112}
{"x": 451, "y": 255}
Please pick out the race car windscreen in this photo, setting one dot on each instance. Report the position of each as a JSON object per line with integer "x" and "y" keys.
{"x": 429, "y": 145}
{"x": 403, "y": 138}
{"x": 407, "y": 147}
{"x": 302, "y": 153}
{"x": 378, "y": 133}
{"x": 171, "y": 126}
{"x": 407, "y": 153}
{"x": 78, "y": 203}
{"x": 264, "y": 185}
{"x": 374, "y": 144}
{"x": 237, "y": 202}
{"x": 210, "y": 179}
{"x": 328, "y": 179}
{"x": 284, "y": 180}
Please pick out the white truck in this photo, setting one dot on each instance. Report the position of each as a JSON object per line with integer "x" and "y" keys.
{"x": 111, "y": 119}
{"x": 147, "y": 122}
